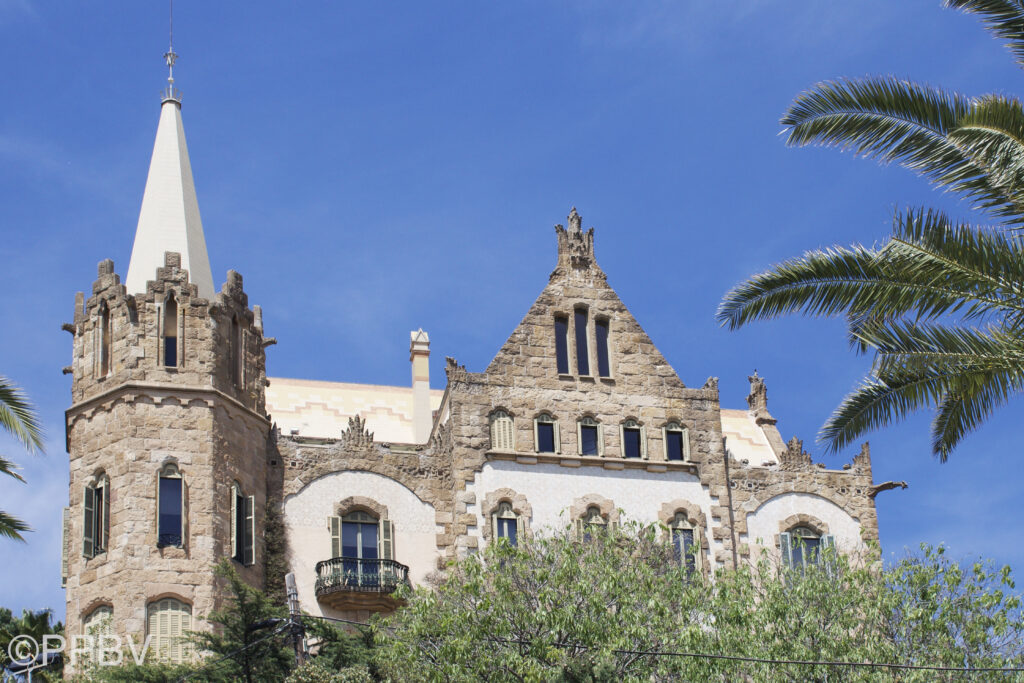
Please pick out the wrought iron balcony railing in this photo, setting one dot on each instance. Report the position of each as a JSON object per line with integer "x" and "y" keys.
{"x": 362, "y": 575}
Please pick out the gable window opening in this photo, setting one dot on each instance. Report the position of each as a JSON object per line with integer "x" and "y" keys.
{"x": 633, "y": 445}
{"x": 502, "y": 432}
{"x": 803, "y": 547}
{"x": 603, "y": 364}
{"x": 362, "y": 543}
{"x": 104, "y": 340}
{"x": 243, "y": 526}
{"x": 582, "y": 353}
{"x": 546, "y": 434}
{"x": 685, "y": 546}
{"x": 236, "y": 352}
{"x": 590, "y": 437}
{"x": 507, "y": 524}
{"x": 171, "y": 331}
{"x": 96, "y": 517}
{"x": 171, "y": 507}
{"x": 562, "y": 344}
{"x": 677, "y": 443}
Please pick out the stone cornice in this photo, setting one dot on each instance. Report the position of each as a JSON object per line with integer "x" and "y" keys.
{"x": 593, "y": 461}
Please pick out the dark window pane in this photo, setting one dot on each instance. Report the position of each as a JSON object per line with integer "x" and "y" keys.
{"x": 682, "y": 542}
{"x": 170, "y": 512}
{"x": 582, "y": 357}
{"x": 350, "y": 539}
{"x": 171, "y": 351}
{"x": 631, "y": 442}
{"x": 588, "y": 440}
{"x": 369, "y": 541}
{"x": 545, "y": 437}
{"x": 240, "y": 527}
{"x": 603, "y": 367}
{"x": 562, "y": 344}
{"x": 507, "y": 529}
{"x": 98, "y": 532}
{"x": 674, "y": 445}
{"x": 811, "y": 548}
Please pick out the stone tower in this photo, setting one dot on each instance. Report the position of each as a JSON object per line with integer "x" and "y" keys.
{"x": 167, "y": 429}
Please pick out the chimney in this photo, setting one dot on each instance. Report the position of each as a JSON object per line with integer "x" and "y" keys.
{"x": 419, "y": 356}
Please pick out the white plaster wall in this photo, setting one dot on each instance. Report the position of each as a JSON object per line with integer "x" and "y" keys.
{"x": 551, "y": 489}
{"x": 763, "y": 523}
{"x": 309, "y": 538}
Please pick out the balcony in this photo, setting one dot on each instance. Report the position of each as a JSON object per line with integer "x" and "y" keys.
{"x": 348, "y": 583}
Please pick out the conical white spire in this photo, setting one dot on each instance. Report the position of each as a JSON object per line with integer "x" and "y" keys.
{"x": 169, "y": 219}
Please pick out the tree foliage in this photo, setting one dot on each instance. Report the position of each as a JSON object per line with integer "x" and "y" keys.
{"x": 621, "y": 607}
{"x": 940, "y": 304}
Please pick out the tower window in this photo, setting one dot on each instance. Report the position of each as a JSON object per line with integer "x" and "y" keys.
{"x": 170, "y": 507}
{"x": 677, "y": 443}
{"x": 633, "y": 443}
{"x": 562, "y": 344}
{"x": 545, "y": 433}
{"x": 243, "y": 528}
{"x": 96, "y": 516}
{"x": 104, "y": 350}
{"x": 502, "y": 433}
{"x": 582, "y": 355}
{"x": 603, "y": 365}
{"x": 506, "y": 523}
{"x": 361, "y": 541}
{"x": 590, "y": 437}
{"x": 171, "y": 331}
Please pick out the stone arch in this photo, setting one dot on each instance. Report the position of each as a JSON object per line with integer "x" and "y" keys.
{"x": 580, "y": 506}
{"x": 693, "y": 512}
{"x": 802, "y": 519}
{"x": 354, "y": 503}
{"x": 520, "y": 506}
{"x": 93, "y": 605}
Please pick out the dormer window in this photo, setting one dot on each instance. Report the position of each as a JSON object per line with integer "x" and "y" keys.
{"x": 502, "y": 433}
{"x": 562, "y": 344}
{"x": 170, "y": 332}
{"x": 589, "y": 435}
{"x": 677, "y": 443}
{"x": 634, "y": 445}
{"x": 582, "y": 354}
{"x": 603, "y": 364}
{"x": 545, "y": 431}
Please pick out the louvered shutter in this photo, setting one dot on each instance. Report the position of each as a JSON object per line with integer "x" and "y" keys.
{"x": 786, "y": 545}
{"x": 65, "y": 540}
{"x": 153, "y": 626}
{"x": 335, "y": 525}
{"x": 828, "y": 551}
{"x": 698, "y": 552}
{"x": 387, "y": 540}
{"x": 103, "y": 533}
{"x": 507, "y": 440}
{"x": 184, "y": 513}
{"x": 234, "y": 523}
{"x": 89, "y": 524}
{"x": 249, "y": 546}
{"x": 520, "y": 529}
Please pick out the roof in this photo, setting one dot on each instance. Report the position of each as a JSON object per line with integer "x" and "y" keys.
{"x": 745, "y": 439}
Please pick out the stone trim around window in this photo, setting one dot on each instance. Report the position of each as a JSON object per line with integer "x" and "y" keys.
{"x": 353, "y": 503}
{"x": 801, "y": 519}
{"x": 520, "y": 506}
{"x": 608, "y": 510}
{"x": 694, "y": 515}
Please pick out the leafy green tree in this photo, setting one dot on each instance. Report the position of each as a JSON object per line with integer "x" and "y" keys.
{"x": 621, "y": 607}
{"x": 19, "y": 419}
{"x": 940, "y": 304}
{"x": 33, "y": 623}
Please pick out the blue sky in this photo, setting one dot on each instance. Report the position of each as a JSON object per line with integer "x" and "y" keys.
{"x": 372, "y": 168}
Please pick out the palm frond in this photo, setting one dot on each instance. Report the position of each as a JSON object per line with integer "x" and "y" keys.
{"x": 973, "y": 399}
{"x": 8, "y": 467}
{"x": 11, "y": 527}
{"x": 992, "y": 136}
{"x": 18, "y": 416}
{"x": 897, "y": 121}
{"x": 1004, "y": 18}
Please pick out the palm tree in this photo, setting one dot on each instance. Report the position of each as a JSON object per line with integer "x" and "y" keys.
{"x": 941, "y": 303}
{"x": 18, "y": 418}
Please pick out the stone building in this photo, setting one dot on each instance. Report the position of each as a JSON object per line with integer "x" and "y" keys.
{"x": 181, "y": 448}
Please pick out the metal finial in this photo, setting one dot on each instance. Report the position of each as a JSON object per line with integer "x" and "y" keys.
{"x": 171, "y": 93}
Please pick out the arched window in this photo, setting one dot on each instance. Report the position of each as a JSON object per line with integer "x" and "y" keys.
{"x": 802, "y": 546}
{"x": 582, "y": 351}
{"x": 171, "y": 331}
{"x": 502, "y": 432}
{"x": 170, "y": 502}
{"x": 545, "y": 434}
{"x": 243, "y": 526}
{"x": 236, "y": 352}
{"x": 685, "y": 542}
{"x": 104, "y": 340}
{"x": 361, "y": 541}
{"x": 562, "y": 344}
{"x": 505, "y": 523}
{"x": 168, "y": 622}
{"x": 96, "y": 516}
{"x": 99, "y": 625}
{"x": 591, "y": 523}
{"x": 589, "y": 436}
{"x": 604, "y": 368}
{"x": 677, "y": 442}
{"x": 634, "y": 443}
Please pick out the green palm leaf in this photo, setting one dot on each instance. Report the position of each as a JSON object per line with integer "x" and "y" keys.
{"x": 18, "y": 416}
{"x": 12, "y": 527}
{"x": 1005, "y": 18}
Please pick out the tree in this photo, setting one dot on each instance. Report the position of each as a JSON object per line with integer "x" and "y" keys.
{"x": 941, "y": 304}
{"x": 18, "y": 418}
{"x": 33, "y": 623}
{"x": 620, "y": 606}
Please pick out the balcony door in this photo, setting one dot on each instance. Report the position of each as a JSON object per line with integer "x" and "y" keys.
{"x": 359, "y": 548}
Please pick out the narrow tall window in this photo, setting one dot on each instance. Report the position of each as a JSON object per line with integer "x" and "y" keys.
{"x": 236, "y": 352}
{"x": 562, "y": 344}
{"x": 171, "y": 331}
{"x": 502, "y": 434}
{"x": 545, "y": 434}
{"x": 104, "y": 339}
{"x": 506, "y": 523}
{"x": 633, "y": 445}
{"x": 168, "y": 622}
{"x": 604, "y": 368}
{"x": 170, "y": 507}
{"x": 590, "y": 437}
{"x": 582, "y": 354}
{"x": 96, "y": 516}
{"x": 677, "y": 443}
{"x": 243, "y": 531}
{"x": 684, "y": 539}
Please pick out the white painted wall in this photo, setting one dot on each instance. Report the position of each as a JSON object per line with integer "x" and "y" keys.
{"x": 309, "y": 538}
{"x": 763, "y": 523}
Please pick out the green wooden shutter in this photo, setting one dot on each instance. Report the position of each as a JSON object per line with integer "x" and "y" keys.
{"x": 828, "y": 552}
{"x": 387, "y": 540}
{"x": 234, "y": 523}
{"x": 184, "y": 513}
{"x": 786, "y": 545}
{"x": 335, "y": 524}
{"x": 698, "y": 552}
{"x": 103, "y": 533}
{"x": 65, "y": 540}
{"x": 89, "y": 524}
{"x": 249, "y": 533}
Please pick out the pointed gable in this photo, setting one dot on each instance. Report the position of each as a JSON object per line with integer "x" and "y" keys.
{"x": 571, "y": 312}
